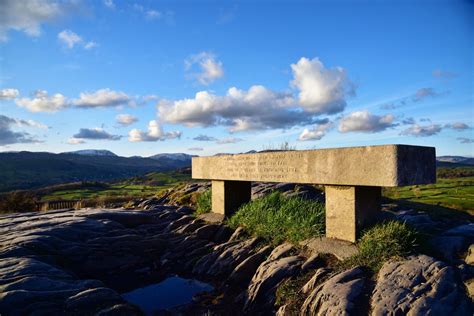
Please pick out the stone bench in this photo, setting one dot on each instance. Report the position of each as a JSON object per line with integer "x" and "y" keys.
{"x": 353, "y": 178}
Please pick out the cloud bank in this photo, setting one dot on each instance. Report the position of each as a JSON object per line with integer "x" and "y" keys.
{"x": 27, "y": 16}
{"x": 8, "y": 136}
{"x": 126, "y": 119}
{"x": 95, "y": 134}
{"x": 155, "y": 133}
{"x": 210, "y": 69}
{"x": 42, "y": 102}
{"x": 9, "y": 94}
{"x": 321, "y": 90}
{"x": 365, "y": 122}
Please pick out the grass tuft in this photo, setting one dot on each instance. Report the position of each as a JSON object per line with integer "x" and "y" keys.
{"x": 204, "y": 202}
{"x": 382, "y": 242}
{"x": 277, "y": 218}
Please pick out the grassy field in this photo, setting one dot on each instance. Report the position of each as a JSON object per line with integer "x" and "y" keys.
{"x": 449, "y": 193}
{"x": 146, "y": 186}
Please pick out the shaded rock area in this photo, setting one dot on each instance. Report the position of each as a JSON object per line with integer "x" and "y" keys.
{"x": 78, "y": 262}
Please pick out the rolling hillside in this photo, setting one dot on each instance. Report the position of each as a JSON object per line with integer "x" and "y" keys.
{"x": 27, "y": 170}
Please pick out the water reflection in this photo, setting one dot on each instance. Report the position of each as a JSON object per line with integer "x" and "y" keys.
{"x": 169, "y": 293}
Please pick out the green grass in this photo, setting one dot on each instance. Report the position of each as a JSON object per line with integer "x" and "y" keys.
{"x": 382, "y": 242}
{"x": 453, "y": 193}
{"x": 277, "y": 218}
{"x": 136, "y": 187}
{"x": 204, "y": 202}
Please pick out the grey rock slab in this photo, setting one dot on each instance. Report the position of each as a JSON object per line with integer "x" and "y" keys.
{"x": 207, "y": 231}
{"x": 466, "y": 230}
{"x": 312, "y": 262}
{"x": 281, "y": 251}
{"x": 339, "y": 248}
{"x": 315, "y": 280}
{"x": 237, "y": 234}
{"x": 231, "y": 257}
{"x": 212, "y": 217}
{"x": 339, "y": 295}
{"x": 449, "y": 247}
{"x": 186, "y": 219}
{"x": 470, "y": 255}
{"x": 420, "y": 285}
{"x": 93, "y": 299}
{"x": 260, "y": 294}
{"x": 244, "y": 272}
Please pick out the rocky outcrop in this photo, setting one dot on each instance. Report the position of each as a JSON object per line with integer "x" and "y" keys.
{"x": 419, "y": 285}
{"x": 79, "y": 261}
{"x": 260, "y": 295}
{"x": 341, "y": 294}
{"x": 76, "y": 262}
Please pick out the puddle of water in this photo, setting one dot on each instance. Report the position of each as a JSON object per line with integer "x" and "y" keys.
{"x": 169, "y": 293}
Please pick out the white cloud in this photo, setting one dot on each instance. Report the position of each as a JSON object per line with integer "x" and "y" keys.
{"x": 109, "y": 4}
{"x": 28, "y": 123}
{"x": 205, "y": 138}
{"x": 90, "y": 45}
{"x": 27, "y": 15}
{"x": 102, "y": 98}
{"x": 255, "y": 109}
{"x": 155, "y": 132}
{"x": 210, "y": 69}
{"x": 126, "y": 119}
{"x": 363, "y": 121}
{"x": 459, "y": 126}
{"x": 321, "y": 90}
{"x": 75, "y": 141}
{"x": 69, "y": 38}
{"x": 438, "y": 73}
{"x": 196, "y": 149}
{"x": 153, "y": 14}
{"x": 316, "y": 133}
{"x": 9, "y": 94}
{"x": 229, "y": 140}
{"x": 422, "y": 131}
{"x": 8, "y": 136}
{"x": 35, "y": 124}
{"x": 95, "y": 133}
{"x": 42, "y": 102}
{"x": 465, "y": 140}
{"x": 424, "y": 93}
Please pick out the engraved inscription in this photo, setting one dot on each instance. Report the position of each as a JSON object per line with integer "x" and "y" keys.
{"x": 275, "y": 167}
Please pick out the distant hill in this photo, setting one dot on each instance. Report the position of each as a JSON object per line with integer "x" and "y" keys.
{"x": 174, "y": 156}
{"x": 456, "y": 159}
{"x": 92, "y": 152}
{"x": 26, "y": 170}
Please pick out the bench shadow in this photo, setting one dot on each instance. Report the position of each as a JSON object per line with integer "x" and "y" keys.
{"x": 435, "y": 211}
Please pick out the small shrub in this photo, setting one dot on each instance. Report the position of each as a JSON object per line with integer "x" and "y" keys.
{"x": 204, "y": 202}
{"x": 382, "y": 242}
{"x": 17, "y": 201}
{"x": 277, "y": 218}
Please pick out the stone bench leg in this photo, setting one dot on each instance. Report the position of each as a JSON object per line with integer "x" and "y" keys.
{"x": 349, "y": 209}
{"x": 228, "y": 196}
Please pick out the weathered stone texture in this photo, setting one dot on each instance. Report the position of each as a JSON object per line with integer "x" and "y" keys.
{"x": 349, "y": 209}
{"x": 420, "y": 285}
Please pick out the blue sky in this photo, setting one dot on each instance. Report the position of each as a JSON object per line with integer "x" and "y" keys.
{"x": 202, "y": 77}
